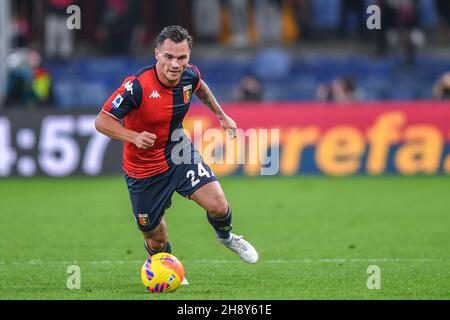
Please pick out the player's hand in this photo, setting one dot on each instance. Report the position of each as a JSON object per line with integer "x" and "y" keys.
{"x": 144, "y": 140}
{"x": 229, "y": 125}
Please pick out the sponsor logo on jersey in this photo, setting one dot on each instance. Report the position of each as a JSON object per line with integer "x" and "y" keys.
{"x": 187, "y": 93}
{"x": 143, "y": 219}
{"x": 155, "y": 94}
{"x": 117, "y": 101}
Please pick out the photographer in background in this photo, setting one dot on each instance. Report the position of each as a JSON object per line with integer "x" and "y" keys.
{"x": 28, "y": 82}
{"x": 342, "y": 89}
{"x": 58, "y": 38}
{"x": 441, "y": 90}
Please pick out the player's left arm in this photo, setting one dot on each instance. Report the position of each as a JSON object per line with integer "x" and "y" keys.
{"x": 205, "y": 95}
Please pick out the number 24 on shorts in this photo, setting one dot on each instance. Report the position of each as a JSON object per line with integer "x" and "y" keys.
{"x": 201, "y": 173}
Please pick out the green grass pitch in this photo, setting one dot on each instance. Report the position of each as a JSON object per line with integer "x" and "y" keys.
{"x": 316, "y": 237}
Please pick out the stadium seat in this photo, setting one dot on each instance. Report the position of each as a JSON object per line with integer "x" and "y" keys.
{"x": 88, "y": 82}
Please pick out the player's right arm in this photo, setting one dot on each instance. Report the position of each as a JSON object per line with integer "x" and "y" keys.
{"x": 121, "y": 102}
{"x": 112, "y": 128}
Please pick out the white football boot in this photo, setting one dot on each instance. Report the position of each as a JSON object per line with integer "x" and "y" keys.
{"x": 184, "y": 282}
{"x": 241, "y": 247}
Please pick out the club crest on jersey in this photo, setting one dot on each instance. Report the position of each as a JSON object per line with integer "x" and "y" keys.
{"x": 143, "y": 219}
{"x": 117, "y": 101}
{"x": 187, "y": 93}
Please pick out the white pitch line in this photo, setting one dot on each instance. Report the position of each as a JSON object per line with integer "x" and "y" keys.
{"x": 333, "y": 260}
{"x": 216, "y": 261}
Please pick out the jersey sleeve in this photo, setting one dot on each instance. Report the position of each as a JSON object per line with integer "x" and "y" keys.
{"x": 127, "y": 97}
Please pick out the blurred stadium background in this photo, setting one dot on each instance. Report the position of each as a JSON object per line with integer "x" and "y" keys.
{"x": 308, "y": 43}
{"x": 348, "y": 101}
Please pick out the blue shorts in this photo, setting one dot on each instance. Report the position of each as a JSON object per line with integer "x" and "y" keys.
{"x": 150, "y": 197}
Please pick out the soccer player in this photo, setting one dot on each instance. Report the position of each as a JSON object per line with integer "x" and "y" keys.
{"x": 152, "y": 105}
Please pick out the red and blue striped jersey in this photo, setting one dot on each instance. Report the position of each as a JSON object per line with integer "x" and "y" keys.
{"x": 145, "y": 104}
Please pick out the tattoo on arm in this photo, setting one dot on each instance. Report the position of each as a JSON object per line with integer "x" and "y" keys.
{"x": 205, "y": 95}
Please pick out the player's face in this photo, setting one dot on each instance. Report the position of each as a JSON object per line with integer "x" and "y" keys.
{"x": 172, "y": 58}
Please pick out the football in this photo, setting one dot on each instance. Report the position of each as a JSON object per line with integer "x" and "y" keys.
{"x": 162, "y": 272}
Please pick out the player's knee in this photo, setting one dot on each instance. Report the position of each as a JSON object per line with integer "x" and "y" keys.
{"x": 219, "y": 208}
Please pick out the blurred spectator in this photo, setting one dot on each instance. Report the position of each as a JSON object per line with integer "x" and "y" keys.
{"x": 302, "y": 14}
{"x": 441, "y": 90}
{"x": 174, "y": 12}
{"x": 400, "y": 27}
{"x": 206, "y": 20}
{"x": 28, "y": 82}
{"x": 443, "y": 11}
{"x": 58, "y": 38}
{"x": 268, "y": 21}
{"x": 21, "y": 32}
{"x": 351, "y": 9}
{"x": 239, "y": 23}
{"x": 249, "y": 89}
{"x": 117, "y": 25}
{"x": 339, "y": 90}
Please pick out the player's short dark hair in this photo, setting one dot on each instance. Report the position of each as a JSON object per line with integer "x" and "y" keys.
{"x": 175, "y": 33}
